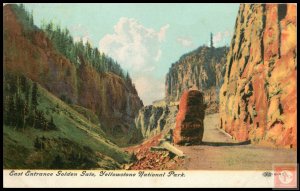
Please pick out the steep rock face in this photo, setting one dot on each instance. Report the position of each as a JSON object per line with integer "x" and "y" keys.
{"x": 152, "y": 120}
{"x": 258, "y": 97}
{"x": 109, "y": 96}
{"x": 189, "y": 121}
{"x": 35, "y": 58}
{"x": 201, "y": 69}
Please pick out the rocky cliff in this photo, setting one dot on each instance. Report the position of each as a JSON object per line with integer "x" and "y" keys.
{"x": 31, "y": 52}
{"x": 152, "y": 120}
{"x": 202, "y": 69}
{"x": 258, "y": 98}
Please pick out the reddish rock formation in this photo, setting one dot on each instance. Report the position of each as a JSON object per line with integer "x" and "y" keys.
{"x": 203, "y": 69}
{"x": 258, "y": 98}
{"x": 189, "y": 121}
{"x": 148, "y": 159}
{"x": 108, "y": 95}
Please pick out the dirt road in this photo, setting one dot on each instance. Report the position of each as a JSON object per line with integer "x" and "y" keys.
{"x": 220, "y": 152}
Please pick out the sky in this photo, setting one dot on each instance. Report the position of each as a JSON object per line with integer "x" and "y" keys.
{"x": 145, "y": 39}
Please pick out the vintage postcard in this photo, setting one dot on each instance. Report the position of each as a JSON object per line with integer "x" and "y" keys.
{"x": 150, "y": 95}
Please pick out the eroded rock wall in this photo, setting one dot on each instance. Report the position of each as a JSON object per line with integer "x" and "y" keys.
{"x": 201, "y": 69}
{"x": 258, "y": 98}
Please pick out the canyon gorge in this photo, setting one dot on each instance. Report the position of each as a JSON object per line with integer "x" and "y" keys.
{"x": 75, "y": 107}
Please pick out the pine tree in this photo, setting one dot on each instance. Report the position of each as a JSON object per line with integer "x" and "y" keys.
{"x": 34, "y": 96}
{"x": 12, "y": 84}
{"x": 5, "y": 109}
{"x": 128, "y": 79}
{"x": 27, "y": 91}
{"x": 11, "y": 111}
{"x": 34, "y": 104}
{"x": 78, "y": 52}
{"x": 51, "y": 124}
{"x": 31, "y": 22}
{"x": 22, "y": 7}
{"x": 19, "y": 118}
{"x": 25, "y": 114}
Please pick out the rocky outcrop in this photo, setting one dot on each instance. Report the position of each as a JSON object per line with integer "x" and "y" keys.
{"x": 149, "y": 158}
{"x": 112, "y": 98}
{"x": 108, "y": 95}
{"x": 152, "y": 120}
{"x": 202, "y": 69}
{"x": 258, "y": 98}
{"x": 189, "y": 121}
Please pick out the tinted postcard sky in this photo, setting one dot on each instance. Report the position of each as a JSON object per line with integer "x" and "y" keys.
{"x": 145, "y": 39}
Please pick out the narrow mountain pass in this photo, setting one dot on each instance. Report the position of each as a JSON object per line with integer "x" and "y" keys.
{"x": 220, "y": 152}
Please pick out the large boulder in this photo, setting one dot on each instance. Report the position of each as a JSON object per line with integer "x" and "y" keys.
{"x": 189, "y": 121}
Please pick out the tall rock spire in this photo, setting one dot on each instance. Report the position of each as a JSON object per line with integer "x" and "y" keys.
{"x": 211, "y": 40}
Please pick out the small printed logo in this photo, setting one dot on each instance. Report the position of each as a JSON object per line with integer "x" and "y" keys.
{"x": 285, "y": 176}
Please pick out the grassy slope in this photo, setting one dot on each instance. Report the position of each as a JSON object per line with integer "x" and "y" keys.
{"x": 90, "y": 115}
{"x": 19, "y": 145}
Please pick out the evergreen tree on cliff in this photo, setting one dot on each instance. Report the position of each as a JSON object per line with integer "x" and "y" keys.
{"x": 211, "y": 40}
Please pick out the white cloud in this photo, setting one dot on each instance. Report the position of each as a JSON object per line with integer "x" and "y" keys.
{"x": 81, "y": 33}
{"x": 149, "y": 88}
{"x": 221, "y": 38}
{"x": 157, "y": 57}
{"x": 138, "y": 50}
{"x": 185, "y": 41}
{"x": 217, "y": 37}
{"x": 162, "y": 32}
{"x": 134, "y": 46}
{"x": 84, "y": 39}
